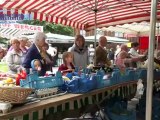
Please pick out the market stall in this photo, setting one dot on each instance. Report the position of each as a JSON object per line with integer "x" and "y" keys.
{"x": 92, "y": 89}
{"x": 39, "y": 109}
{"x": 88, "y": 15}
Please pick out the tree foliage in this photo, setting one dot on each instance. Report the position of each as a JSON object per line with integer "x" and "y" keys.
{"x": 51, "y": 27}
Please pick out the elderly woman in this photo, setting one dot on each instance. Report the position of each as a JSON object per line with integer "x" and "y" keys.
{"x": 123, "y": 58}
{"x": 14, "y": 56}
{"x": 80, "y": 52}
{"x": 34, "y": 52}
{"x": 23, "y": 44}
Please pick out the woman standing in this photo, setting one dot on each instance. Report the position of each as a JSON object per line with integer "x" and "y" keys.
{"x": 23, "y": 44}
{"x": 15, "y": 56}
{"x": 80, "y": 52}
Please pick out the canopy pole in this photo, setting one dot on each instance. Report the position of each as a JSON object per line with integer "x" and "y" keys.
{"x": 95, "y": 29}
{"x": 157, "y": 36}
{"x": 151, "y": 60}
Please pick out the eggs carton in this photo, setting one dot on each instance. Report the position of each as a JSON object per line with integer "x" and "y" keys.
{"x": 5, "y": 107}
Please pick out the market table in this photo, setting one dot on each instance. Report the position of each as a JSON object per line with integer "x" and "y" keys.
{"x": 38, "y": 110}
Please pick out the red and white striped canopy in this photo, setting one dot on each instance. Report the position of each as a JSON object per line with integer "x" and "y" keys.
{"x": 80, "y": 13}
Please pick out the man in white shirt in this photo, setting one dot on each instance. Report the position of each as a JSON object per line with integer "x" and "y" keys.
{"x": 133, "y": 50}
{"x": 134, "y": 54}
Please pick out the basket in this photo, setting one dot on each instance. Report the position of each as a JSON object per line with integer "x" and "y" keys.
{"x": 14, "y": 95}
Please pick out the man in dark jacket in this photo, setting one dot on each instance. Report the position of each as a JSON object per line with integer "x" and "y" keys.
{"x": 34, "y": 52}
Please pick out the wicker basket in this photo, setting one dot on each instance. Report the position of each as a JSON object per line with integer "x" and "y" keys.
{"x": 14, "y": 95}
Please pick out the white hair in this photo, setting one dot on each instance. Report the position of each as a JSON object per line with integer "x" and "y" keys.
{"x": 39, "y": 36}
{"x": 13, "y": 39}
{"x": 23, "y": 38}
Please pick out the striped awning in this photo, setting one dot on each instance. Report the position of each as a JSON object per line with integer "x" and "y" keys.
{"x": 134, "y": 29}
{"x": 9, "y": 33}
{"x": 80, "y": 13}
{"x": 17, "y": 30}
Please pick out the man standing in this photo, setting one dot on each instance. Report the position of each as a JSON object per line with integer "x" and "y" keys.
{"x": 34, "y": 52}
{"x": 101, "y": 53}
{"x": 134, "y": 54}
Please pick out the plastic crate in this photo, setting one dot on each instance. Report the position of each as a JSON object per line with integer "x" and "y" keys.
{"x": 86, "y": 71}
{"x": 36, "y": 82}
{"x": 99, "y": 77}
{"x": 156, "y": 74}
{"x": 115, "y": 77}
{"x": 131, "y": 75}
{"x": 123, "y": 78}
{"x": 142, "y": 74}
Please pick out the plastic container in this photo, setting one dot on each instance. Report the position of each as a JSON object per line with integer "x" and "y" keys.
{"x": 115, "y": 77}
{"x": 142, "y": 74}
{"x": 156, "y": 74}
{"x": 33, "y": 81}
{"x": 131, "y": 75}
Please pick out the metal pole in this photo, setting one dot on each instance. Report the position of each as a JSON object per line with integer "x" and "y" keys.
{"x": 157, "y": 36}
{"x": 95, "y": 29}
{"x": 151, "y": 60}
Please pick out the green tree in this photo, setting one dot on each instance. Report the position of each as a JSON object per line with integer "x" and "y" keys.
{"x": 51, "y": 27}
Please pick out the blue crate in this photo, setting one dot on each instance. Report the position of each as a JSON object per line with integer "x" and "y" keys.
{"x": 86, "y": 70}
{"x": 36, "y": 82}
{"x": 115, "y": 77}
{"x": 131, "y": 75}
{"x": 107, "y": 83}
{"x": 123, "y": 78}
{"x": 99, "y": 77}
{"x": 142, "y": 74}
{"x": 101, "y": 73}
{"x": 100, "y": 83}
{"x": 156, "y": 74}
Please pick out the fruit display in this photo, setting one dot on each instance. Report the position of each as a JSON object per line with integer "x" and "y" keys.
{"x": 8, "y": 82}
{"x": 4, "y": 76}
